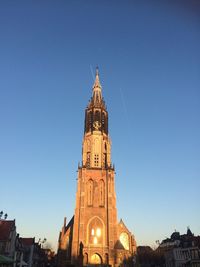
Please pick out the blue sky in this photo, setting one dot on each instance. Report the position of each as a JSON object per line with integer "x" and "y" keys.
{"x": 149, "y": 61}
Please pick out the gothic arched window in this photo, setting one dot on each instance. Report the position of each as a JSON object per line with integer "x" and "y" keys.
{"x": 103, "y": 120}
{"x": 90, "y": 187}
{"x": 124, "y": 239}
{"x": 95, "y": 232}
{"x": 90, "y": 120}
{"x": 102, "y": 193}
{"x": 88, "y": 159}
{"x": 97, "y": 116}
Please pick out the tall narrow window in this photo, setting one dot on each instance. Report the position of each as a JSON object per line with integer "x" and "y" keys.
{"x": 103, "y": 118}
{"x": 97, "y": 116}
{"x": 90, "y": 120}
{"x": 102, "y": 193}
{"x": 88, "y": 159}
{"x": 90, "y": 192}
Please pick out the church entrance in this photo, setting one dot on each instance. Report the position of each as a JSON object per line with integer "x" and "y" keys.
{"x": 96, "y": 259}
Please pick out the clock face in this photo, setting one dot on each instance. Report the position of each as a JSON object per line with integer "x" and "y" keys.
{"x": 96, "y": 125}
{"x": 124, "y": 240}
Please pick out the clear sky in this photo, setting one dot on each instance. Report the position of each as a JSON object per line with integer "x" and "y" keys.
{"x": 148, "y": 53}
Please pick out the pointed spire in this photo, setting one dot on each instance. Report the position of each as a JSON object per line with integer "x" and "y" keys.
{"x": 97, "y": 82}
{"x": 97, "y": 94}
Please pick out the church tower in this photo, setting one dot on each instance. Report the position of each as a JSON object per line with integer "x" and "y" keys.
{"x": 94, "y": 236}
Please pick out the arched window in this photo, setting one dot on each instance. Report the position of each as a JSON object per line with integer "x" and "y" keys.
{"x": 103, "y": 121}
{"x": 103, "y": 118}
{"x": 90, "y": 192}
{"x": 90, "y": 120}
{"x": 88, "y": 153}
{"x": 97, "y": 116}
{"x": 124, "y": 239}
{"x": 88, "y": 159}
{"x": 96, "y": 259}
{"x": 95, "y": 232}
{"x": 102, "y": 193}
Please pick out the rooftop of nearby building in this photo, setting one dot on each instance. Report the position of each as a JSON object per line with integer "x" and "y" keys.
{"x": 6, "y": 227}
{"x": 27, "y": 241}
{"x": 178, "y": 240}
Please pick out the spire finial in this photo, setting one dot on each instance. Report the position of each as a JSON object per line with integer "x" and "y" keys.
{"x": 97, "y": 95}
{"x": 97, "y": 70}
{"x": 97, "y": 82}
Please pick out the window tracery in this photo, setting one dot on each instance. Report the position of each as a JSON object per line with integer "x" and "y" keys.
{"x": 95, "y": 232}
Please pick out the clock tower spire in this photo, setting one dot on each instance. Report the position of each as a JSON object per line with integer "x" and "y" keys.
{"x": 94, "y": 236}
{"x": 97, "y": 93}
{"x": 96, "y": 142}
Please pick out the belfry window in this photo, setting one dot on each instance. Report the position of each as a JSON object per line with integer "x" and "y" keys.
{"x": 103, "y": 118}
{"x": 97, "y": 116}
{"x": 103, "y": 121}
{"x": 90, "y": 120}
{"x": 96, "y": 160}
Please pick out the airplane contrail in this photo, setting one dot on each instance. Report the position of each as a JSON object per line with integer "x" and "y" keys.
{"x": 91, "y": 69}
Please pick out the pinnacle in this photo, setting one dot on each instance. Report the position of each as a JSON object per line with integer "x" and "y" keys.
{"x": 97, "y": 82}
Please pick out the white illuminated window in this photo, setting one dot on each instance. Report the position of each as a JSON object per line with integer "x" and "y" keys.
{"x": 98, "y": 232}
{"x": 95, "y": 240}
{"x": 92, "y": 232}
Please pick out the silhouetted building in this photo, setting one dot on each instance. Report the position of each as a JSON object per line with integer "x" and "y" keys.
{"x": 147, "y": 257}
{"x": 181, "y": 250}
{"x": 93, "y": 235}
{"x": 30, "y": 253}
{"x": 7, "y": 237}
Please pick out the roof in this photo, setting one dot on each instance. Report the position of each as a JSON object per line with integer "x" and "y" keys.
{"x": 71, "y": 222}
{"x": 178, "y": 240}
{"x": 28, "y": 241}
{"x": 123, "y": 226}
{"x": 118, "y": 245}
{"x": 5, "y": 228}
